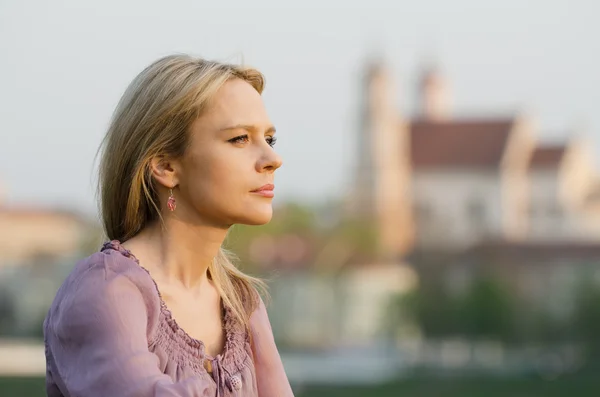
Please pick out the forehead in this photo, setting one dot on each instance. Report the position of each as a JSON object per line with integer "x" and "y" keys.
{"x": 236, "y": 102}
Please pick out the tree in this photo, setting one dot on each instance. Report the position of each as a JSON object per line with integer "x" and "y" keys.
{"x": 432, "y": 308}
{"x": 487, "y": 311}
{"x": 587, "y": 316}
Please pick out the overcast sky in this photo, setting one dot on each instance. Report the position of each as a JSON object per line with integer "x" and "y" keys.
{"x": 64, "y": 65}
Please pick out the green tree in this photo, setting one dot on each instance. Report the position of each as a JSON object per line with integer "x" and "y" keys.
{"x": 432, "y": 308}
{"x": 486, "y": 310}
{"x": 587, "y": 316}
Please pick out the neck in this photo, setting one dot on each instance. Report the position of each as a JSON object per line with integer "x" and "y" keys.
{"x": 183, "y": 251}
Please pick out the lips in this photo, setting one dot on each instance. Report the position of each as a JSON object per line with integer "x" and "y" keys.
{"x": 266, "y": 188}
{"x": 265, "y": 191}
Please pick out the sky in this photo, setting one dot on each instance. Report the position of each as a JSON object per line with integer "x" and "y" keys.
{"x": 65, "y": 64}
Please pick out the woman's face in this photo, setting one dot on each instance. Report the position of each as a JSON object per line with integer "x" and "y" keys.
{"x": 229, "y": 159}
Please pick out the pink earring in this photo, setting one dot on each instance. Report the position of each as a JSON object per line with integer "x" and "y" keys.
{"x": 171, "y": 201}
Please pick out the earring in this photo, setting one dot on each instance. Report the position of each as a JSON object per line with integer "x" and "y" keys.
{"x": 171, "y": 201}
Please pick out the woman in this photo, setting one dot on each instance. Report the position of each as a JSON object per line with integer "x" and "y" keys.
{"x": 160, "y": 310}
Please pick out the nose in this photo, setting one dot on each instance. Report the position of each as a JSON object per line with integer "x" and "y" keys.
{"x": 269, "y": 161}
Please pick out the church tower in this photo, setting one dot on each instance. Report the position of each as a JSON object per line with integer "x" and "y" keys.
{"x": 382, "y": 177}
{"x": 434, "y": 95}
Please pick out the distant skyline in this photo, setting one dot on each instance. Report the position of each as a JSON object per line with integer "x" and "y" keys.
{"x": 65, "y": 65}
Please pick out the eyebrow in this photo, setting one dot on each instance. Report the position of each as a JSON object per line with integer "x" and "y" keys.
{"x": 248, "y": 127}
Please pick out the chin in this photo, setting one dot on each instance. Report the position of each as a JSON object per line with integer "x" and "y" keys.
{"x": 257, "y": 217}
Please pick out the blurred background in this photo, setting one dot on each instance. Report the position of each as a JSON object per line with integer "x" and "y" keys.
{"x": 437, "y": 223}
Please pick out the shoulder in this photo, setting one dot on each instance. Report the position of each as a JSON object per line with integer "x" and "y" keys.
{"x": 259, "y": 320}
{"x": 102, "y": 271}
{"x": 100, "y": 283}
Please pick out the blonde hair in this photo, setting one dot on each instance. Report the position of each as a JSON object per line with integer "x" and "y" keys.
{"x": 152, "y": 119}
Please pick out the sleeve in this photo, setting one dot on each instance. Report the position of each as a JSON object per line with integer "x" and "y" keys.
{"x": 97, "y": 343}
{"x": 270, "y": 373}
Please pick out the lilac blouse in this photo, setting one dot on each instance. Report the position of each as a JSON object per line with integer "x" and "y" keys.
{"x": 109, "y": 333}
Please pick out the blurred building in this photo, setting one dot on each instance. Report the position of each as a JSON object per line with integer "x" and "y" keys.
{"x": 438, "y": 182}
{"x": 544, "y": 277}
{"x": 450, "y": 199}
{"x": 477, "y": 195}
{"x": 347, "y": 309}
{"x": 383, "y": 173}
{"x": 38, "y": 247}
{"x": 36, "y": 234}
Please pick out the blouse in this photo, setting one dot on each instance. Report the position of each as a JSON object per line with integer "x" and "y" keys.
{"x": 109, "y": 333}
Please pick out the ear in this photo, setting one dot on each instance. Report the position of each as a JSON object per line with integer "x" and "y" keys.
{"x": 163, "y": 171}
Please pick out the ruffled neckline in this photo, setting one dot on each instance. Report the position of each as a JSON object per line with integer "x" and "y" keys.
{"x": 233, "y": 336}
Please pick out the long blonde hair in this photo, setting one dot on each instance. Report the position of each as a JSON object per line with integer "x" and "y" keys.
{"x": 152, "y": 119}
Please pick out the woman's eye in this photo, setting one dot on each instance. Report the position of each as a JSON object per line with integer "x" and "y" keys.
{"x": 271, "y": 140}
{"x": 239, "y": 139}
{"x": 245, "y": 139}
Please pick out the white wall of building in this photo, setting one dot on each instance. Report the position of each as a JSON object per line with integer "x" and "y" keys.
{"x": 457, "y": 208}
{"x": 548, "y": 218}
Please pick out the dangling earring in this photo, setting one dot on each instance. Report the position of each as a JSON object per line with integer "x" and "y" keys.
{"x": 171, "y": 201}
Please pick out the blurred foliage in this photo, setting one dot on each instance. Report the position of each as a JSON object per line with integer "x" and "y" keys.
{"x": 431, "y": 308}
{"x": 586, "y": 319}
{"x": 576, "y": 385}
{"x": 486, "y": 309}
{"x": 463, "y": 387}
{"x": 358, "y": 233}
{"x": 7, "y": 312}
{"x": 291, "y": 218}
{"x": 331, "y": 236}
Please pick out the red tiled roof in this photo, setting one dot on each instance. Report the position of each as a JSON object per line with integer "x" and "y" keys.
{"x": 547, "y": 156}
{"x": 459, "y": 143}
